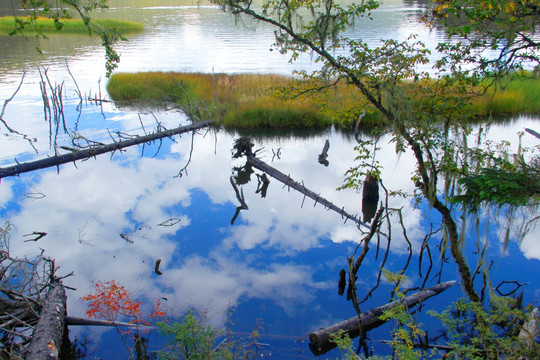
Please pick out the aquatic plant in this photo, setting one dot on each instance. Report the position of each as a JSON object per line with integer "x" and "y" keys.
{"x": 44, "y": 24}
{"x": 192, "y": 338}
{"x": 261, "y": 101}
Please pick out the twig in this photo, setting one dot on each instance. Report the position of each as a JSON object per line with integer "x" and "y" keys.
{"x": 39, "y": 236}
{"x": 13, "y": 131}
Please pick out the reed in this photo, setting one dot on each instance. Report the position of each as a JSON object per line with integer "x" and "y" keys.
{"x": 249, "y": 101}
{"x": 47, "y": 25}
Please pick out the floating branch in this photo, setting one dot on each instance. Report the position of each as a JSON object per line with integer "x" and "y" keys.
{"x": 323, "y": 156}
{"x": 255, "y": 162}
{"x": 239, "y": 195}
{"x": 38, "y": 235}
{"x": 96, "y": 150}
{"x": 170, "y": 222}
{"x": 124, "y": 236}
{"x": 532, "y": 132}
{"x": 156, "y": 268}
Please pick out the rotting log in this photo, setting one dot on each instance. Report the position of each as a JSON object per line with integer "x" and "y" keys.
{"x": 320, "y": 340}
{"x": 96, "y": 150}
{"x": 287, "y": 180}
{"x": 47, "y": 335}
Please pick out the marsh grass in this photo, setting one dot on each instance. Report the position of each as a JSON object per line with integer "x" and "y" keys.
{"x": 8, "y": 24}
{"x": 250, "y": 101}
{"x": 511, "y": 96}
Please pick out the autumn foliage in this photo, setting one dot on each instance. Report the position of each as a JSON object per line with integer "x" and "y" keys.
{"x": 112, "y": 302}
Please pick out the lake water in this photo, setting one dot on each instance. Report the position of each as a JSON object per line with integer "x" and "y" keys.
{"x": 278, "y": 264}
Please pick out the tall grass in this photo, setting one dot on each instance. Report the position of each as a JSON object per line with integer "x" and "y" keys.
{"x": 242, "y": 101}
{"x": 8, "y": 23}
{"x": 249, "y": 101}
{"x": 511, "y": 96}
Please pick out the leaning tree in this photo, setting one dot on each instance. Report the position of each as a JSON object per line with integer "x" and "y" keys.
{"x": 427, "y": 112}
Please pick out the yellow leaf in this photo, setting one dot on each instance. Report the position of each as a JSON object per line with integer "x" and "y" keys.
{"x": 510, "y": 7}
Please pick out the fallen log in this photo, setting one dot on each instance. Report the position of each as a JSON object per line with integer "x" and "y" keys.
{"x": 78, "y": 321}
{"x": 276, "y": 174}
{"x": 96, "y": 150}
{"x": 47, "y": 335}
{"x": 320, "y": 340}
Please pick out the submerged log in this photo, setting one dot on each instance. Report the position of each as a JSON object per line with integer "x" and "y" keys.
{"x": 96, "y": 150}
{"x": 320, "y": 340}
{"x": 276, "y": 174}
{"x": 47, "y": 336}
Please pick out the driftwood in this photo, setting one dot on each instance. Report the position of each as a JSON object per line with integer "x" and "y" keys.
{"x": 324, "y": 155}
{"x": 156, "y": 268}
{"x": 276, "y": 174}
{"x": 320, "y": 340}
{"x": 47, "y": 335}
{"x": 96, "y": 150}
{"x": 239, "y": 195}
{"x": 262, "y": 184}
{"x": 241, "y": 200}
{"x": 532, "y": 132}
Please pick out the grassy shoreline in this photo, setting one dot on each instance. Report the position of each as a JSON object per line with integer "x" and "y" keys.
{"x": 47, "y": 25}
{"x": 249, "y": 101}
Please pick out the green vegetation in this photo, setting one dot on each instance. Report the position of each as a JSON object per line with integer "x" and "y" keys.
{"x": 428, "y": 114}
{"x": 61, "y": 12}
{"x": 249, "y": 101}
{"x": 492, "y": 332}
{"x": 47, "y": 25}
{"x": 501, "y": 330}
{"x": 241, "y": 101}
{"x": 191, "y": 338}
{"x": 511, "y": 95}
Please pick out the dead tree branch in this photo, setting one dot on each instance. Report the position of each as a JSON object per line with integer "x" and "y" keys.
{"x": 95, "y": 150}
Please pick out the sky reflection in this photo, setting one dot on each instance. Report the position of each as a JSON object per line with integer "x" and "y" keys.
{"x": 280, "y": 259}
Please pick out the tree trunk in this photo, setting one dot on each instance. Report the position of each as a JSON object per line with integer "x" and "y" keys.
{"x": 77, "y": 321}
{"x": 370, "y": 197}
{"x": 95, "y": 150}
{"x": 320, "y": 340}
{"x": 47, "y": 336}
